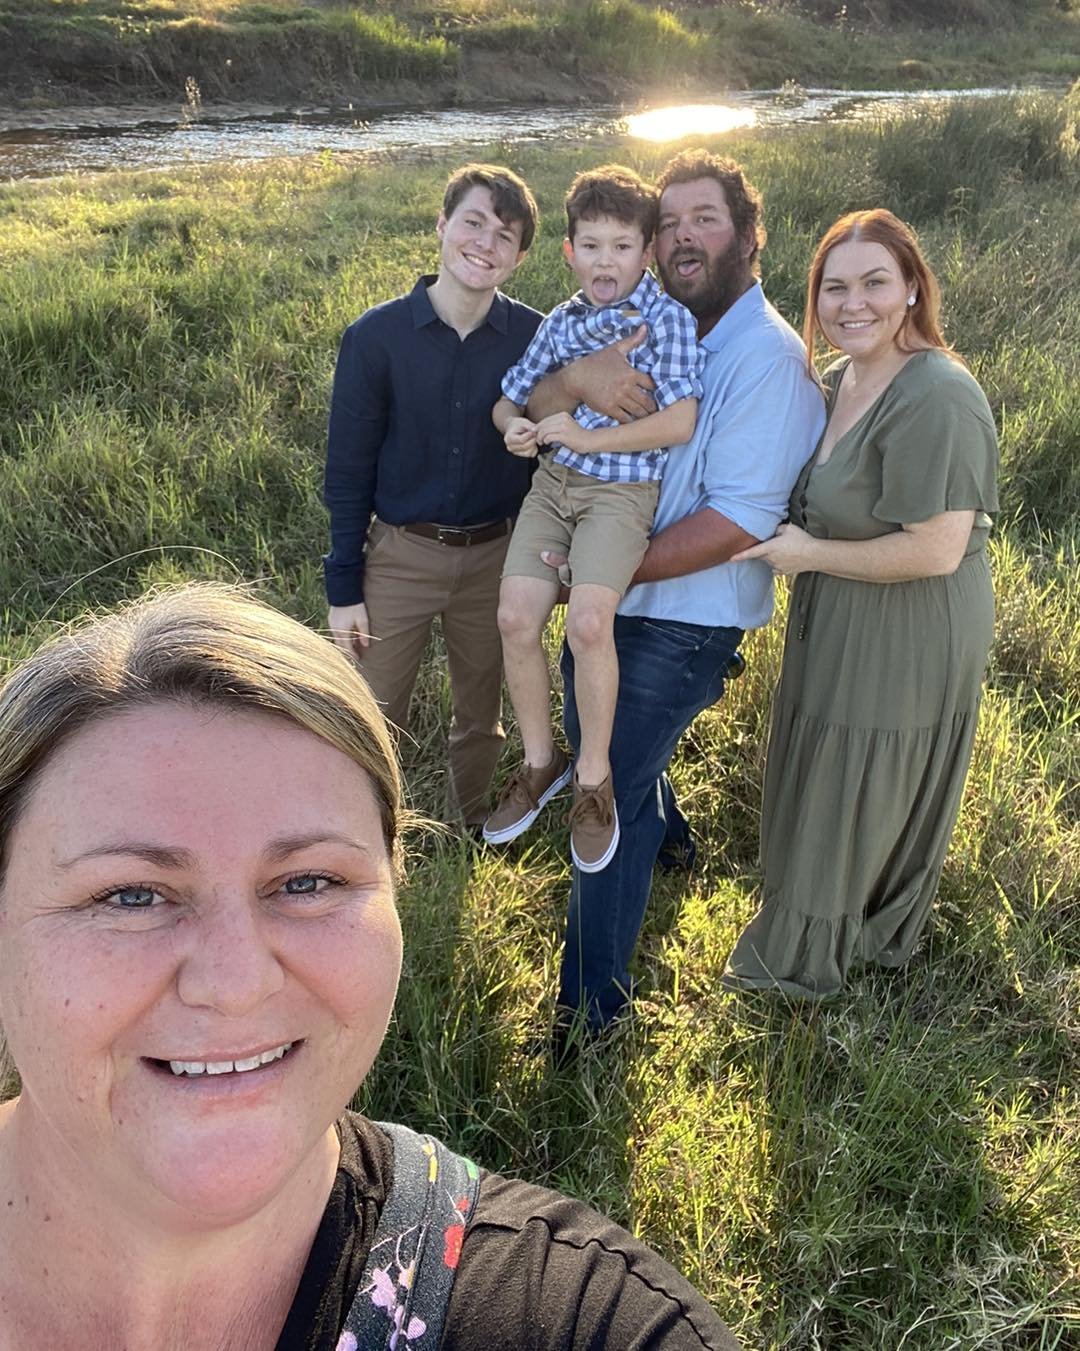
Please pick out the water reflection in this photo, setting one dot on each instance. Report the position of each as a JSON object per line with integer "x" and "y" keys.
{"x": 73, "y": 144}
{"x": 689, "y": 119}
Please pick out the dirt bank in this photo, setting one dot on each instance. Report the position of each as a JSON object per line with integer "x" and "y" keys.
{"x": 486, "y": 78}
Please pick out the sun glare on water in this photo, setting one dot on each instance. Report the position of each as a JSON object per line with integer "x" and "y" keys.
{"x": 689, "y": 119}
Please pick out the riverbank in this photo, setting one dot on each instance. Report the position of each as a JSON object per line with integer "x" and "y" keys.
{"x": 202, "y": 53}
{"x": 898, "y": 1168}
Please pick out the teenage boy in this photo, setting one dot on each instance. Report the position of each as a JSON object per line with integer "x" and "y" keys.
{"x": 421, "y": 492}
{"x": 593, "y": 498}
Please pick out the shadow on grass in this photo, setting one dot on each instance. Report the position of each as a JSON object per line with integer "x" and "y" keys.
{"x": 892, "y": 1165}
{"x": 468, "y": 1056}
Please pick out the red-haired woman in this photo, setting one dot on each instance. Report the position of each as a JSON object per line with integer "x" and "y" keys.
{"x": 890, "y": 624}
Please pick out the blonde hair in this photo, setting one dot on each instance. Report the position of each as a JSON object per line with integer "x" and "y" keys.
{"x": 202, "y": 644}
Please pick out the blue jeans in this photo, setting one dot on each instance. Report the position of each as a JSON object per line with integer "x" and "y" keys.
{"x": 668, "y": 672}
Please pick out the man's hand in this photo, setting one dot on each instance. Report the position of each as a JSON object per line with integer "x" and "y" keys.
{"x": 562, "y": 428}
{"x": 349, "y": 628}
{"x": 604, "y": 380}
{"x": 520, "y": 437}
{"x": 560, "y": 564}
{"x": 607, "y": 382}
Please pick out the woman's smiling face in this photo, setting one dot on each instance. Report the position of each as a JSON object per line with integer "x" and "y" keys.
{"x": 199, "y": 952}
{"x": 863, "y": 299}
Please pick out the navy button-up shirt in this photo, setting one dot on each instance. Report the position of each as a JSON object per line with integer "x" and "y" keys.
{"x": 411, "y": 436}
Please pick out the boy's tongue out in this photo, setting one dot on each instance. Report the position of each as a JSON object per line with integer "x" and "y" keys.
{"x": 605, "y": 290}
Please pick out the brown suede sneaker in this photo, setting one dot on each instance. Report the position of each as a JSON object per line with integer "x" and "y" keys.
{"x": 526, "y": 794}
{"x": 594, "y": 826}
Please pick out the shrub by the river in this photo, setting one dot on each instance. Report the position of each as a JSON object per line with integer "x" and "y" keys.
{"x": 901, "y": 1168}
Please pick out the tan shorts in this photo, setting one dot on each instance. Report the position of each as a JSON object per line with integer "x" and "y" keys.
{"x": 603, "y": 527}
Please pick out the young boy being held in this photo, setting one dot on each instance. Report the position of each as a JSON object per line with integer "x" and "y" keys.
{"x": 593, "y": 498}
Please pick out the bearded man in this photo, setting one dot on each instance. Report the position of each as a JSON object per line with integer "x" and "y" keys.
{"x": 679, "y": 625}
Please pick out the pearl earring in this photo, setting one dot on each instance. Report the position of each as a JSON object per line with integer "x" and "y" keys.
{"x": 910, "y": 301}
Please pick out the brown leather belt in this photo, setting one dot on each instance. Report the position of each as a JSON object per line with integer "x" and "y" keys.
{"x": 459, "y": 536}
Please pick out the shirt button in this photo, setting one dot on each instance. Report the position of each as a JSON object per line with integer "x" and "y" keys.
{"x": 457, "y": 403}
{"x": 456, "y": 450}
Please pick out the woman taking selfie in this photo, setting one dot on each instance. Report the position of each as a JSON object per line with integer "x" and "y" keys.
{"x": 890, "y": 622}
{"x": 199, "y": 951}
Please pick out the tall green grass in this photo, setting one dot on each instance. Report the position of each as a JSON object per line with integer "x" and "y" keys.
{"x": 360, "y": 50}
{"x": 602, "y": 35}
{"x": 900, "y": 1169}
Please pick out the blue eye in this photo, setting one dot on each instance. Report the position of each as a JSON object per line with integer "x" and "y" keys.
{"x": 306, "y": 884}
{"x": 132, "y": 897}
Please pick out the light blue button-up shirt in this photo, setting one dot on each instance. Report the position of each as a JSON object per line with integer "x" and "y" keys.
{"x": 758, "y": 422}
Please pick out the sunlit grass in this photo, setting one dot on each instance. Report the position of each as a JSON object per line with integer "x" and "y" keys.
{"x": 898, "y": 1169}
{"x": 358, "y": 51}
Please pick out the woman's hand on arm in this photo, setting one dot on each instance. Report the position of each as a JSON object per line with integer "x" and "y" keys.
{"x": 790, "y": 551}
{"x": 930, "y": 548}
{"x": 604, "y": 380}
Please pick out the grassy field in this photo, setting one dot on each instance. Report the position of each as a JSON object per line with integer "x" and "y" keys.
{"x": 322, "y": 51}
{"x": 900, "y": 1169}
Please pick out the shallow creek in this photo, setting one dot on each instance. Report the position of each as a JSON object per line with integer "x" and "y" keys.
{"x": 90, "y": 140}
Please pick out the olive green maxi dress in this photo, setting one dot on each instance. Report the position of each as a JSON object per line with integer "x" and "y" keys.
{"x": 874, "y": 716}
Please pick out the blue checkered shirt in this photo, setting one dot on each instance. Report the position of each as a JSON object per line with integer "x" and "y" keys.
{"x": 669, "y": 354}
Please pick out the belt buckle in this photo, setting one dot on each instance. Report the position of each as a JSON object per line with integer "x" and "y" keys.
{"x": 452, "y": 534}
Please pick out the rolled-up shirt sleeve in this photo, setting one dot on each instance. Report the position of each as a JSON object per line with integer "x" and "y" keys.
{"x": 758, "y": 441}
{"x": 359, "y": 410}
{"x": 677, "y": 367}
{"x": 539, "y": 359}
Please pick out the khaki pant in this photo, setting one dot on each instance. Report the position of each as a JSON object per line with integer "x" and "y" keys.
{"x": 407, "y": 582}
{"x": 603, "y": 527}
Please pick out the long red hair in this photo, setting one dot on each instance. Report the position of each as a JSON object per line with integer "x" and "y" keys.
{"x": 923, "y": 319}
